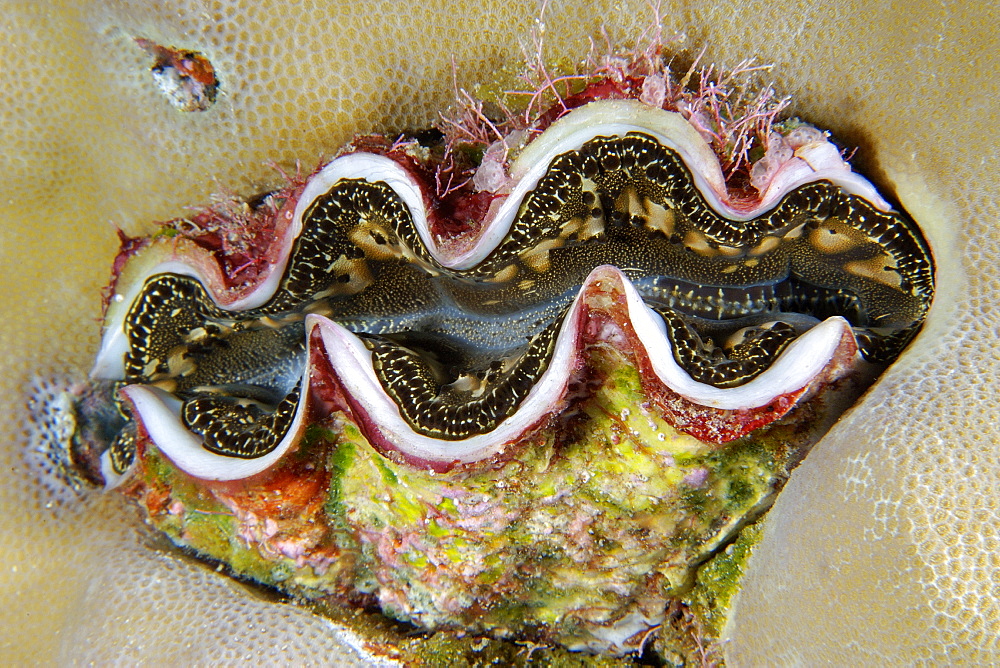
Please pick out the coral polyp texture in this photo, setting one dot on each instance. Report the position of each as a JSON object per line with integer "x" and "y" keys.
{"x": 536, "y": 385}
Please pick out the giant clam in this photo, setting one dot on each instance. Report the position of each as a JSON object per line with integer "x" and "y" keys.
{"x": 896, "y": 501}
{"x": 539, "y": 425}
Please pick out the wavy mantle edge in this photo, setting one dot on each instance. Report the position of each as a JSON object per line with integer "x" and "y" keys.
{"x": 793, "y": 370}
{"x": 601, "y": 118}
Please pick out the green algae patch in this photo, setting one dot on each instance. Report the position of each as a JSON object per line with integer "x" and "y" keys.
{"x": 690, "y": 634}
{"x": 719, "y": 580}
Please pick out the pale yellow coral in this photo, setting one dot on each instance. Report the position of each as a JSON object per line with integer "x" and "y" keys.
{"x": 883, "y": 548}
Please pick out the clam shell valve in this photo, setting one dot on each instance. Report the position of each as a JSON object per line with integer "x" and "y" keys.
{"x": 548, "y": 403}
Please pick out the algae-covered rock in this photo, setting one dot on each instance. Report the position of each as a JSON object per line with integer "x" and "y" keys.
{"x": 584, "y": 536}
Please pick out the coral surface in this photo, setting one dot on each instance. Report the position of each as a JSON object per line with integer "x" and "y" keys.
{"x": 879, "y": 550}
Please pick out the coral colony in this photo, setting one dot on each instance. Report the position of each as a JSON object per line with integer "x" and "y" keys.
{"x": 534, "y": 375}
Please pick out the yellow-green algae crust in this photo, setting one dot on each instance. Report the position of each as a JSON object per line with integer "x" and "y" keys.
{"x": 609, "y": 512}
{"x": 567, "y": 534}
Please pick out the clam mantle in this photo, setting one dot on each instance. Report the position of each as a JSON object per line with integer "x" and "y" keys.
{"x": 538, "y": 425}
